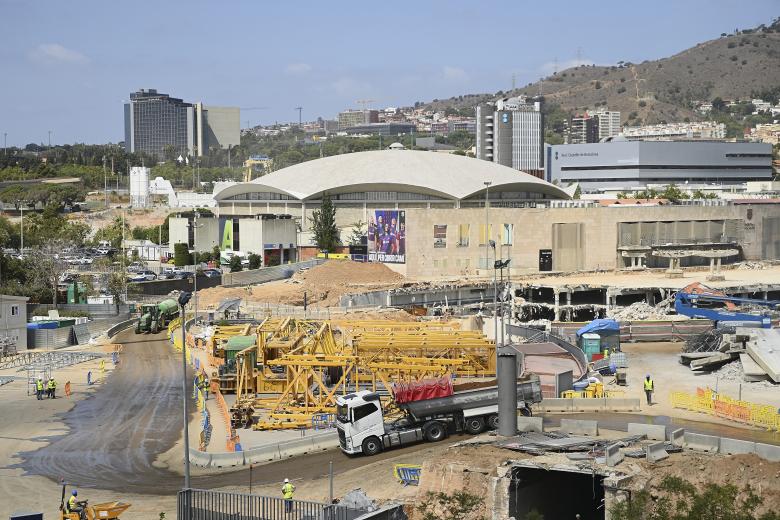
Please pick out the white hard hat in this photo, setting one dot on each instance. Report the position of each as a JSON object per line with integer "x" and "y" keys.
{"x": 287, "y": 480}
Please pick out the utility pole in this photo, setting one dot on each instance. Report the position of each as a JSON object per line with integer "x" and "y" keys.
{"x": 487, "y": 219}
{"x": 184, "y": 297}
{"x": 5, "y": 143}
{"x": 300, "y": 120}
{"x": 105, "y": 181}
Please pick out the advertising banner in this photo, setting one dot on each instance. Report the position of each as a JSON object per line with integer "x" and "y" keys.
{"x": 387, "y": 237}
{"x": 440, "y": 236}
{"x": 225, "y": 234}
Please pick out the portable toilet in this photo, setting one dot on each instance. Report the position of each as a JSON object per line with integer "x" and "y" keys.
{"x": 591, "y": 344}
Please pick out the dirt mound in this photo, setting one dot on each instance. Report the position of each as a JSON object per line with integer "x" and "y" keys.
{"x": 324, "y": 285}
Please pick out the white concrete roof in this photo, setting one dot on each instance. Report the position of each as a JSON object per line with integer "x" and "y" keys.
{"x": 444, "y": 175}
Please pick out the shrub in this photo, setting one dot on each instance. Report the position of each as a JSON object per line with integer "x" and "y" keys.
{"x": 642, "y": 103}
{"x": 181, "y": 255}
{"x": 235, "y": 264}
{"x": 255, "y": 261}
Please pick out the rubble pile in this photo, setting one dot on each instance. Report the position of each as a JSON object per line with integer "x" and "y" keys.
{"x": 642, "y": 311}
{"x": 751, "y": 266}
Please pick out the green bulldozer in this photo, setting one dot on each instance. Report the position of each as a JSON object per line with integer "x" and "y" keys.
{"x": 155, "y": 317}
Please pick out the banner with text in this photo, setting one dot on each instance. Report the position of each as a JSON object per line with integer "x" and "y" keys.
{"x": 387, "y": 237}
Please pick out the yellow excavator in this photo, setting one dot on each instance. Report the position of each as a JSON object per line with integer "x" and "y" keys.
{"x": 104, "y": 511}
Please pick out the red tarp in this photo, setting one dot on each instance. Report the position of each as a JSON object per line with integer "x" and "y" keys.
{"x": 422, "y": 390}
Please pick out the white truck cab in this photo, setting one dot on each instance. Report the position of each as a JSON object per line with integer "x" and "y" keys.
{"x": 358, "y": 418}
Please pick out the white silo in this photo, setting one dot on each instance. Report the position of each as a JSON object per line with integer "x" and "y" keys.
{"x": 139, "y": 186}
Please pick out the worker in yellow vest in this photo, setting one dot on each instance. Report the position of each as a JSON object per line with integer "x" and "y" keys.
{"x": 39, "y": 389}
{"x": 287, "y": 493}
{"x": 51, "y": 387}
{"x": 649, "y": 388}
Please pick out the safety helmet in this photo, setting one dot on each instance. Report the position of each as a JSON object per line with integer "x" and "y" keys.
{"x": 648, "y": 376}
{"x": 287, "y": 481}
{"x": 74, "y": 493}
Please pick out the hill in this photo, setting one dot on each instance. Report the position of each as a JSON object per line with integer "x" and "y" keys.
{"x": 736, "y": 66}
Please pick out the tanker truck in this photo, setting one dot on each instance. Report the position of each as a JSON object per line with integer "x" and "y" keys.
{"x": 431, "y": 411}
{"x": 155, "y": 317}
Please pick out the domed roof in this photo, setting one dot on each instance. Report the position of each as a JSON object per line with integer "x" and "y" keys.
{"x": 444, "y": 175}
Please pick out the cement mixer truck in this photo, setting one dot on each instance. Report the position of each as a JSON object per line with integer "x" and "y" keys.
{"x": 432, "y": 410}
{"x": 155, "y": 317}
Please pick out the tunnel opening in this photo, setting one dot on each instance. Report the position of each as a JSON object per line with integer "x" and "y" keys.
{"x": 555, "y": 494}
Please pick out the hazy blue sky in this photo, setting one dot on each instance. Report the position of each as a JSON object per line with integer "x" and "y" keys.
{"x": 66, "y": 66}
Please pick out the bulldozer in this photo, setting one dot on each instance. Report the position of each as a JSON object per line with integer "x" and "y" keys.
{"x": 103, "y": 511}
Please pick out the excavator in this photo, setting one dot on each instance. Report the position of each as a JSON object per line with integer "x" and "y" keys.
{"x": 699, "y": 301}
{"x": 104, "y": 511}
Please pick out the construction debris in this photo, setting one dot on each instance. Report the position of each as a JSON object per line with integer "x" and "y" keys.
{"x": 642, "y": 311}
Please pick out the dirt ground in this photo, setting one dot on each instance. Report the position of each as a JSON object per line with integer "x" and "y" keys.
{"x": 324, "y": 285}
{"x": 661, "y": 362}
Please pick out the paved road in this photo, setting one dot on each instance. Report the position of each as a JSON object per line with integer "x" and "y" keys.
{"x": 116, "y": 433}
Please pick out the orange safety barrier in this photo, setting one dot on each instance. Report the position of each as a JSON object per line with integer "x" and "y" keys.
{"x": 67, "y": 389}
{"x": 232, "y": 437}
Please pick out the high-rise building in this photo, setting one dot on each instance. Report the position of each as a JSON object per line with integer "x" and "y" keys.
{"x": 609, "y": 123}
{"x": 350, "y": 118}
{"x": 511, "y": 132}
{"x": 154, "y": 121}
{"x": 583, "y": 129}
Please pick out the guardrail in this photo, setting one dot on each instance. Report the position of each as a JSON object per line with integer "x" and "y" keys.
{"x": 119, "y": 327}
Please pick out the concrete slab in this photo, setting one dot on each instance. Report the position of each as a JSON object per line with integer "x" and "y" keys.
{"x": 654, "y": 432}
{"x": 751, "y": 369}
{"x": 712, "y": 362}
{"x": 766, "y": 352}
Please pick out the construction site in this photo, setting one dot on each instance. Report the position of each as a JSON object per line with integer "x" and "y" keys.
{"x": 373, "y": 407}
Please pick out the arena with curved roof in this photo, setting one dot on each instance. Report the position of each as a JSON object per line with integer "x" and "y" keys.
{"x": 388, "y": 176}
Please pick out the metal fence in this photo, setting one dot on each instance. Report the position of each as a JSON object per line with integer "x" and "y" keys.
{"x": 54, "y": 359}
{"x": 199, "y": 504}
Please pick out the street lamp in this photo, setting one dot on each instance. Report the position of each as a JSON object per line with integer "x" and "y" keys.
{"x": 492, "y": 244}
{"x": 195, "y": 227}
{"x": 487, "y": 215}
{"x": 184, "y": 298}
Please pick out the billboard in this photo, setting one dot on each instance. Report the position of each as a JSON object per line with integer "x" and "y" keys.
{"x": 387, "y": 237}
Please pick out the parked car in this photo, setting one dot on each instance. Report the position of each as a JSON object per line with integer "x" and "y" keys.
{"x": 136, "y": 277}
{"x": 212, "y": 273}
{"x": 182, "y": 275}
{"x": 142, "y": 276}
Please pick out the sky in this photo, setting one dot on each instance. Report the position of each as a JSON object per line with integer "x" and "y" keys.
{"x": 68, "y": 66}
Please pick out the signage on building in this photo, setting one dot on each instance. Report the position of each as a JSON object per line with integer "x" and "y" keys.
{"x": 387, "y": 237}
{"x": 440, "y": 236}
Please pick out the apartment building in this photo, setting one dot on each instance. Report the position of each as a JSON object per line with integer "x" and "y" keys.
{"x": 510, "y": 132}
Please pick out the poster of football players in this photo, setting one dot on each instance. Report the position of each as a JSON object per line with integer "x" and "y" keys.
{"x": 387, "y": 237}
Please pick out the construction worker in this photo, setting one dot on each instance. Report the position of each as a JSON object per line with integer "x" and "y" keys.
{"x": 39, "y": 389}
{"x": 51, "y": 388}
{"x": 649, "y": 388}
{"x": 74, "y": 506}
{"x": 287, "y": 493}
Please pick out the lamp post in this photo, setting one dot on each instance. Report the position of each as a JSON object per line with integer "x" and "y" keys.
{"x": 492, "y": 244}
{"x": 195, "y": 227}
{"x": 487, "y": 218}
{"x": 184, "y": 297}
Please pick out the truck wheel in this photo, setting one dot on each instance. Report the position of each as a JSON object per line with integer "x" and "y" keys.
{"x": 492, "y": 422}
{"x": 371, "y": 446}
{"x": 526, "y": 412}
{"x": 474, "y": 425}
{"x": 434, "y": 431}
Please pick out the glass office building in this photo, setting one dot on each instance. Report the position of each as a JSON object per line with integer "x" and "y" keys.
{"x": 154, "y": 120}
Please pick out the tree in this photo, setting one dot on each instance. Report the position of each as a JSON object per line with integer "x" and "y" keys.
{"x": 181, "y": 255}
{"x": 672, "y": 192}
{"x": 323, "y": 224}
{"x": 116, "y": 286}
{"x": 685, "y": 501}
{"x": 235, "y": 264}
{"x": 255, "y": 261}
{"x": 216, "y": 253}
{"x": 358, "y": 233}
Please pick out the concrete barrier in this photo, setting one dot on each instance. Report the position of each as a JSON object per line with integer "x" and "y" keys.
{"x": 676, "y": 437}
{"x": 769, "y": 452}
{"x": 580, "y": 427}
{"x": 700, "y": 442}
{"x": 284, "y": 450}
{"x": 736, "y": 446}
{"x": 529, "y": 424}
{"x": 613, "y": 455}
{"x": 200, "y": 458}
{"x": 654, "y": 432}
{"x": 556, "y": 404}
{"x": 611, "y": 404}
{"x": 655, "y": 452}
{"x": 227, "y": 460}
